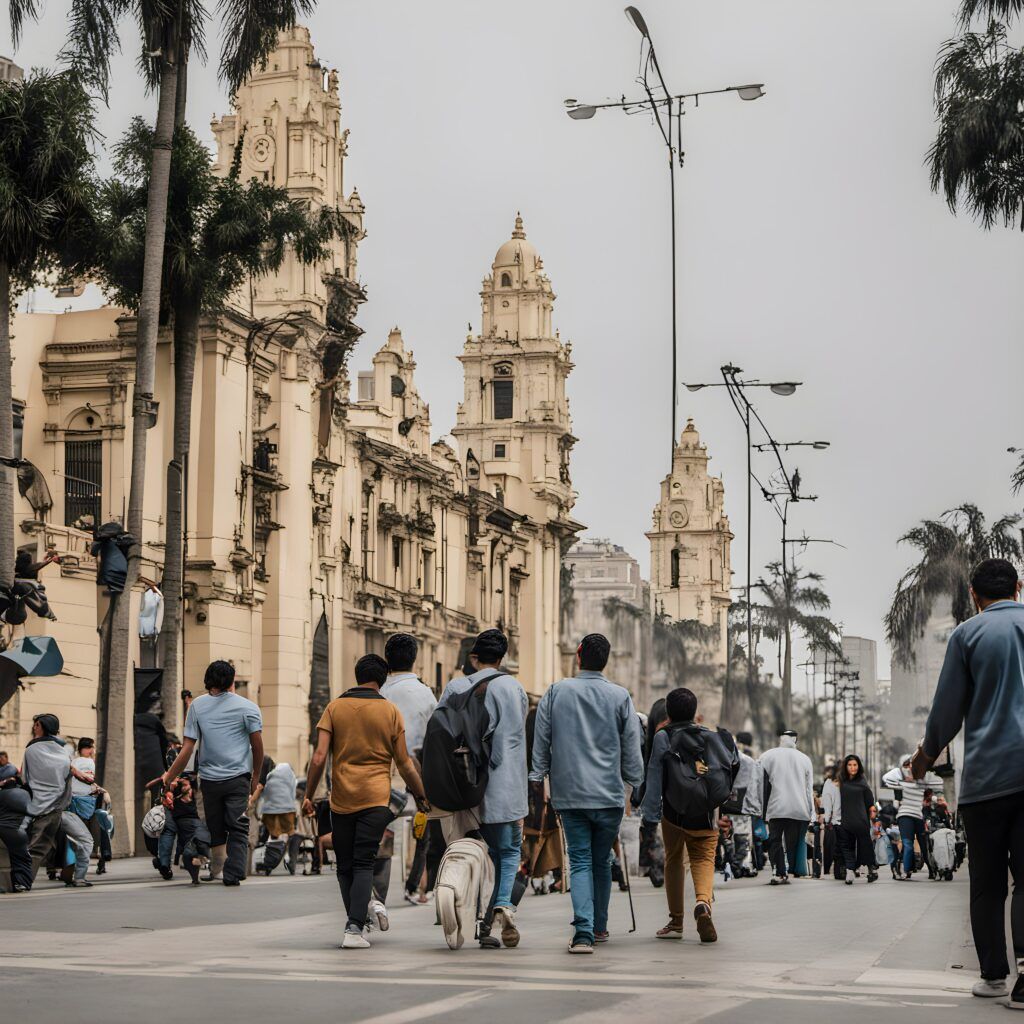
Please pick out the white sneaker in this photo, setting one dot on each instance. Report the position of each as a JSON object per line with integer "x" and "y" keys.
{"x": 380, "y": 912}
{"x": 355, "y": 940}
{"x": 989, "y": 988}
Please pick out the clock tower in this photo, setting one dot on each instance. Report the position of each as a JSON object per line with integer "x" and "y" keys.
{"x": 690, "y": 537}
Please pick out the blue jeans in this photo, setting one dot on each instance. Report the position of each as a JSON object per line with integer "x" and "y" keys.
{"x": 505, "y": 844}
{"x": 590, "y": 836}
{"x": 909, "y": 828}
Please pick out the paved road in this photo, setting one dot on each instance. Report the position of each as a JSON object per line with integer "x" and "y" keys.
{"x": 133, "y": 948}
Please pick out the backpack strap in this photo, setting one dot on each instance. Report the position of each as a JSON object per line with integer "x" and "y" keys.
{"x": 494, "y": 674}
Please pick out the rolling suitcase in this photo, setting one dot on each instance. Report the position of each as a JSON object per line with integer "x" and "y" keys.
{"x": 943, "y": 841}
{"x": 465, "y": 878}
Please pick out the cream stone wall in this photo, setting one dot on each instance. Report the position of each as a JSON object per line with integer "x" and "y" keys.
{"x": 318, "y": 522}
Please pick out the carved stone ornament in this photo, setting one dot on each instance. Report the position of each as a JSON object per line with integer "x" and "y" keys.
{"x": 262, "y": 150}
{"x": 503, "y": 370}
{"x": 679, "y": 517}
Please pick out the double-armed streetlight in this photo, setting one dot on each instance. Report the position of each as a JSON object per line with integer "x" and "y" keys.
{"x": 666, "y": 108}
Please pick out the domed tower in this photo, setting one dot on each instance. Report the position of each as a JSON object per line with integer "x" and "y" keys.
{"x": 515, "y": 436}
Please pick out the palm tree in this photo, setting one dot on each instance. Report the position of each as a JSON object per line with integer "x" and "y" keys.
{"x": 221, "y": 232}
{"x": 1017, "y": 480}
{"x": 950, "y": 547}
{"x": 169, "y": 31}
{"x": 977, "y": 158}
{"x": 46, "y": 133}
{"x": 792, "y": 602}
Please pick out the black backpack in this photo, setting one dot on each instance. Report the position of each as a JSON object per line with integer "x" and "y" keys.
{"x": 691, "y": 794}
{"x": 456, "y": 756}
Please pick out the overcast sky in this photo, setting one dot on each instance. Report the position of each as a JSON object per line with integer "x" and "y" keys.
{"x": 811, "y": 247}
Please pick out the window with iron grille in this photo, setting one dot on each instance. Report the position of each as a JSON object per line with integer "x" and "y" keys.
{"x": 502, "y": 399}
{"x": 83, "y": 480}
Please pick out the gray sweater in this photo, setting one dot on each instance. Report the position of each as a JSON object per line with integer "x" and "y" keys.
{"x": 981, "y": 689}
{"x": 46, "y": 769}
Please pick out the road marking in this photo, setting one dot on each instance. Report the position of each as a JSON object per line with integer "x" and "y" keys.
{"x": 434, "y": 1009}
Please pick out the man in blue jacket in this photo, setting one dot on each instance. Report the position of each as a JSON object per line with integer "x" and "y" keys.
{"x": 587, "y": 742}
{"x": 981, "y": 688}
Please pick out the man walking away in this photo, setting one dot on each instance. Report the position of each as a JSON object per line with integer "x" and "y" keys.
{"x": 14, "y": 800}
{"x": 910, "y": 817}
{"x": 981, "y": 688}
{"x": 787, "y": 787}
{"x": 363, "y": 734}
{"x": 229, "y": 730}
{"x": 505, "y": 801}
{"x": 706, "y": 765}
{"x": 46, "y": 769}
{"x": 587, "y": 741}
{"x": 416, "y": 703}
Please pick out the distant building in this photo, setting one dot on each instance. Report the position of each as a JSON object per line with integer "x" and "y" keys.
{"x": 861, "y": 655}
{"x": 913, "y": 686}
{"x": 9, "y": 71}
{"x": 609, "y": 596}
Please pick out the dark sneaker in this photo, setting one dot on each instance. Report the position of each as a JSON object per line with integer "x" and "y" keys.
{"x": 166, "y": 873}
{"x": 705, "y": 926}
{"x": 1016, "y": 1001}
{"x": 600, "y": 936}
{"x": 78, "y": 883}
{"x": 581, "y": 944}
{"x": 872, "y": 875}
{"x": 231, "y": 881}
{"x": 489, "y": 941}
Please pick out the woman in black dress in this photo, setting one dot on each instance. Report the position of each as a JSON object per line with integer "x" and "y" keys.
{"x": 854, "y": 831}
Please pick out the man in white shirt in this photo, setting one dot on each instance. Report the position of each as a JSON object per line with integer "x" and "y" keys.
{"x": 416, "y": 703}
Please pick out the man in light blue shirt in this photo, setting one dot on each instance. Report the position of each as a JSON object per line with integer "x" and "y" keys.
{"x": 587, "y": 742}
{"x": 229, "y": 729}
{"x": 505, "y": 801}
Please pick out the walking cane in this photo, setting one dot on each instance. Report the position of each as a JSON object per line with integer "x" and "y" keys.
{"x": 629, "y": 889}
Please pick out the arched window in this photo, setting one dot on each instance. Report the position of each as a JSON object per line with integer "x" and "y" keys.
{"x": 506, "y": 280}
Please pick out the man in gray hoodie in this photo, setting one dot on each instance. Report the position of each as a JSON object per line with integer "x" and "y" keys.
{"x": 46, "y": 769}
{"x": 787, "y": 787}
{"x": 586, "y": 741}
{"x": 981, "y": 689}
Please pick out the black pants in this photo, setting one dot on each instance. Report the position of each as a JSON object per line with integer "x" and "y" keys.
{"x": 356, "y": 839}
{"x": 855, "y": 848}
{"x": 16, "y": 842}
{"x": 429, "y": 851}
{"x": 784, "y": 839}
{"x": 225, "y": 804}
{"x": 995, "y": 835}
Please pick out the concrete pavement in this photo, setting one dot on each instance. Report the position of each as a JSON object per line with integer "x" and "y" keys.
{"x": 132, "y": 946}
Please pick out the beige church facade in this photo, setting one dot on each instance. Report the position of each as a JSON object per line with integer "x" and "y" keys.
{"x": 318, "y": 521}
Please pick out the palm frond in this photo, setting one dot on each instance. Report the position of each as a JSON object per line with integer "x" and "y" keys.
{"x": 249, "y": 30}
{"x": 1017, "y": 480}
{"x": 973, "y": 10}
{"x": 21, "y": 11}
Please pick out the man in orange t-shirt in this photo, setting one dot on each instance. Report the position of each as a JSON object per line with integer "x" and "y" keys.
{"x": 363, "y": 733}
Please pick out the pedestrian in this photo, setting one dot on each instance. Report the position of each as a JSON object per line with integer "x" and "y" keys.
{"x": 749, "y": 803}
{"x": 363, "y": 734}
{"x": 278, "y": 816}
{"x": 46, "y": 770}
{"x": 857, "y": 805}
{"x": 14, "y": 818}
{"x": 229, "y": 730}
{"x": 787, "y": 788}
{"x": 688, "y": 762}
{"x": 910, "y": 816}
{"x": 831, "y": 816}
{"x": 505, "y": 803}
{"x": 587, "y": 743}
{"x": 981, "y": 689}
{"x": 181, "y": 824}
{"x": 416, "y": 703}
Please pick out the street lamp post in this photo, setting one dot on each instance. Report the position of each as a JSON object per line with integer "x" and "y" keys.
{"x": 671, "y": 104}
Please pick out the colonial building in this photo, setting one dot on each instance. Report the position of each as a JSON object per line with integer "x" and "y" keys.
{"x": 690, "y": 570}
{"x": 317, "y": 522}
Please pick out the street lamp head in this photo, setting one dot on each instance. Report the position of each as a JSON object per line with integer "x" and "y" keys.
{"x": 821, "y": 445}
{"x": 584, "y": 112}
{"x": 749, "y": 92}
{"x": 637, "y": 19}
{"x": 786, "y": 388}
{"x": 570, "y": 102}
{"x": 695, "y": 387}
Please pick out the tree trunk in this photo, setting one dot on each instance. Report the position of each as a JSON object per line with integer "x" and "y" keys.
{"x": 186, "y": 341}
{"x": 119, "y": 686}
{"x": 787, "y": 678}
{"x": 6, "y": 434}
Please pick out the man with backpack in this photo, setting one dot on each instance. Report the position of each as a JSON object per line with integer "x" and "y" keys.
{"x": 499, "y": 753}
{"x": 690, "y": 775}
{"x": 787, "y": 788}
{"x": 587, "y": 742}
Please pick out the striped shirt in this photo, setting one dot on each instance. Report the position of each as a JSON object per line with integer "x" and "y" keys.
{"x": 913, "y": 791}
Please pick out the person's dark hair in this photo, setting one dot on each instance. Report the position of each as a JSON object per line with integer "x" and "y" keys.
{"x": 744, "y": 739}
{"x": 371, "y": 668}
{"x": 490, "y": 646}
{"x": 844, "y": 775}
{"x": 400, "y": 652}
{"x": 928, "y": 794}
{"x": 681, "y": 705}
{"x": 85, "y": 743}
{"x": 219, "y": 675}
{"x": 594, "y": 651}
{"x": 50, "y": 724}
{"x": 468, "y": 668}
{"x": 656, "y": 717}
{"x": 994, "y": 579}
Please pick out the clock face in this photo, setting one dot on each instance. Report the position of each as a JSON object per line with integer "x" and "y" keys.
{"x": 262, "y": 150}
{"x": 678, "y": 517}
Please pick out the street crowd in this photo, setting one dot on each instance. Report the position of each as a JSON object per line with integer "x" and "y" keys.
{"x": 502, "y": 795}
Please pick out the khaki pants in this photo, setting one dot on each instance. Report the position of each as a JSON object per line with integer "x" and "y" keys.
{"x": 700, "y": 844}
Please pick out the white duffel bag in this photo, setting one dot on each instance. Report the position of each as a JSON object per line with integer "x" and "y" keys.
{"x": 465, "y": 878}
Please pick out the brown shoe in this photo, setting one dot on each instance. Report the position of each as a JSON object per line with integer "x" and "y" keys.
{"x": 670, "y": 931}
{"x": 705, "y": 926}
